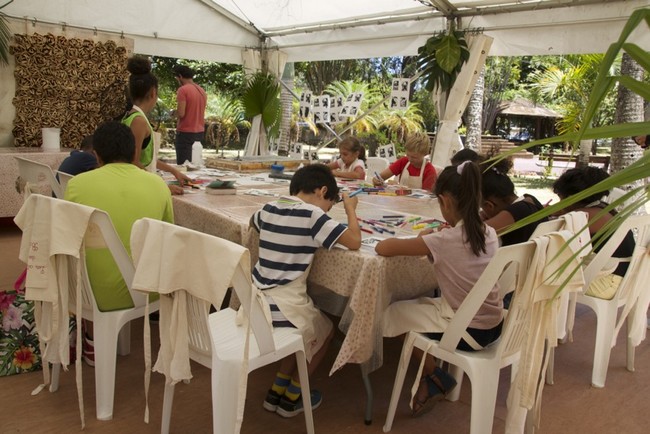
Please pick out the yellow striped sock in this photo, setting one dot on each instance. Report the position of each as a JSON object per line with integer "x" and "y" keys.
{"x": 293, "y": 391}
{"x": 281, "y": 383}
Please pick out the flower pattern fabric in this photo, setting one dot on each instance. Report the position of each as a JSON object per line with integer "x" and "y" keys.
{"x": 19, "y": 348}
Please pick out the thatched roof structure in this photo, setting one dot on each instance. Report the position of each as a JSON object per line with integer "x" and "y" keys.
{"x": 524, "y": 107}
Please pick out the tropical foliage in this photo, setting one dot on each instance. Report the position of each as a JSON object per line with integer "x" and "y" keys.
{"x": 262, "y": 97}
{"x": 441, "y": 58}
{"x": 603, "y": 84}
{"x": 400, "y": 123}
{"x": 224, "y": 119}
{"x": 566, "y": 88}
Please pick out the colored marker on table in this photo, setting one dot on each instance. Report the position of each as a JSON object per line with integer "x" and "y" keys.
{"x": 355, "y": 192}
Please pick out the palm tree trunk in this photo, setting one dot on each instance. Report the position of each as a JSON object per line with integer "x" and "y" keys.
{"x": 629, "y": 108}
{"x": 474, "y": 120}
{"x": 286, "y": 99}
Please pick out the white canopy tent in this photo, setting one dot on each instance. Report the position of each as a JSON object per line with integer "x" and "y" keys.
{"x": 219, "y": 30}
{"x": 307, "y": 30}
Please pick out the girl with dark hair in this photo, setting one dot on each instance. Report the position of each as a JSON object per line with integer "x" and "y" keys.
{"x": 460, "y": 254}
{"x": 502, "y": 207}
{"x": 351, "y": 163}
{"x": 574, "y": 181}
{"x": 143, "y": 91}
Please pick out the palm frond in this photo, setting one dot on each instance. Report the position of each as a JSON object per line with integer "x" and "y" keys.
{"x": 5, "y": 38}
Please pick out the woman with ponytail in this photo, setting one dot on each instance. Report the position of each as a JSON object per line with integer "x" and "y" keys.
{"x": 460, "y": 254}
{"x": 143, "y": 92}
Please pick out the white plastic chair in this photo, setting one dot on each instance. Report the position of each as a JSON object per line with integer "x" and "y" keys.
{"x": 34, "y": 173}
{"x": 112, "y": 332}
{"x": 482, "y": 367}
{"x": 217, "y": 341}
{"x": 64, "y": 178}
{"x": 629, "y": 290}
{"x": 375, "y": 164}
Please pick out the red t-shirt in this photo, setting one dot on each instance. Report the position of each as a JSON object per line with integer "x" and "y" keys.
{"x": 428, "y": 179}
{"x": 195, "y": 102}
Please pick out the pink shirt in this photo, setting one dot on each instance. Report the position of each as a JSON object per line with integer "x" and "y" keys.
{"x": 458, "y": 269}
{"x": 428, "y": 178}
{"x": 195, "y": 102}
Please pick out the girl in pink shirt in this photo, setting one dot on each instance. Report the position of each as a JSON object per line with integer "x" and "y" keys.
{"x": 460, "y": 254}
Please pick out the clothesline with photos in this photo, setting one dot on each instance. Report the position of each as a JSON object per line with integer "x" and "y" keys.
{"x": 333, "y": 110}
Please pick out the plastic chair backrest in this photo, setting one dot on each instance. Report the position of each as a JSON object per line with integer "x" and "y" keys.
{"x": 247, "y": 294}
{"x": 34, "y": 172}
{"x": 638, "y": 224}
{"x": 547, "y": 227}
{"x": 519, "y": 255}
{"x": 63, "y": 180}
{"x": 375, "y": 164}
{"x": 101, "y": 233}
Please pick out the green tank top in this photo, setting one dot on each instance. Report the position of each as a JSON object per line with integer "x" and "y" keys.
{"x": 147, "y": 144}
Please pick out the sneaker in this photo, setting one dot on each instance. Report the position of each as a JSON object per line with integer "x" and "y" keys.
{"x": 289, "y": 408}
{"x": 88, "y": 353}
{"x": 271, "y": 401}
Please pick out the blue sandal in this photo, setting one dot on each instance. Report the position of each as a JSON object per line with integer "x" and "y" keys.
{"x": 439, "y": 384}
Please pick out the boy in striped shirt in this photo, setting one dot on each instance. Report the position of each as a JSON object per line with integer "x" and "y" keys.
{"x": 291, "y": 230}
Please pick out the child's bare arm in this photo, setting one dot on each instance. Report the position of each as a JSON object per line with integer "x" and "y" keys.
{"x": 351, "y": 174}
{"x": 402, "y": 247}
{"x": 352, "y": 237}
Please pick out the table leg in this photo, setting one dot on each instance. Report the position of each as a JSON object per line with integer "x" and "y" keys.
{"x": 369, "y": 397}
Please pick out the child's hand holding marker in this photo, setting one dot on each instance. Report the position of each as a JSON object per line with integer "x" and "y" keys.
{"x": 377, "y": 179}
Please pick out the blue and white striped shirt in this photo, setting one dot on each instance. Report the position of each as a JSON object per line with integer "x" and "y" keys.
{"x": 290, "y": 232}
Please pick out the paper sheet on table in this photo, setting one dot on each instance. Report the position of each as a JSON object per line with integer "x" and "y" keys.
{"x": 256, "y": 192}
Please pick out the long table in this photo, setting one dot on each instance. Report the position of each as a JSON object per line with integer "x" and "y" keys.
{"x": 355, "y": 285}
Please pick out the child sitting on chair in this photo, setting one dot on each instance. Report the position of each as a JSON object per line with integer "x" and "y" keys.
{"x": 351, "y": 162}
{"x": 291, "y": 230}
{"x": 460, "y": 254}
{"x": 412, "y": 171}
{"x": 572, "y": 182}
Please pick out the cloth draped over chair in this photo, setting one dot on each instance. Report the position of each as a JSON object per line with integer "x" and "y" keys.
{"x": 205, "y": 272}
{"x": 553, "y": 266}
{"x": 450, "y": 106}
{"x": 51, "y": 246}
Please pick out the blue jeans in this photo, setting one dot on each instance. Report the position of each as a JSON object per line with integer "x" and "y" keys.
{"x": 183, "y": 143}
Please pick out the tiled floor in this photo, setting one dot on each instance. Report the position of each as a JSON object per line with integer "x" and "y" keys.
{"x": 569, "y": 406}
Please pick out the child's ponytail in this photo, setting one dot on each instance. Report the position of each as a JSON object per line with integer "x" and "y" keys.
{"x": 463, "y": 182}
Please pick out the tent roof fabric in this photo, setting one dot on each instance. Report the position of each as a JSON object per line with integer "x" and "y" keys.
{"x": 219, "y": 30}
{"x": 524, "y": 107}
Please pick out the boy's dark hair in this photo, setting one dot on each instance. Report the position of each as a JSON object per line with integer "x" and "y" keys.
{"x": 141, "y": 80}
{"x": 114, "y": 143}
{"x": 312, "y": 177}
{"x": 183, "y": 71}
{"x": 466, "y": 190}
{"x": 87, "y": 143}
{"x": 574, "y": 181}
{"x": 463, "y": 155}
{"x": 496, "y": 182}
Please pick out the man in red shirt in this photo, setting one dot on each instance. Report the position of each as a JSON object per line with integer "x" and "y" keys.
{"x": 191, "y": 100}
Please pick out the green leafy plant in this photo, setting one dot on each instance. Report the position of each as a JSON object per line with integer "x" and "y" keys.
{"x": 441, "y": 58}
{"x": 605, "y": 81}
{"x": 225, "y": 118}
{"x": 262, "y": 97}
{"x": 400, "y": 123}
